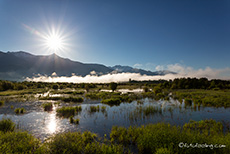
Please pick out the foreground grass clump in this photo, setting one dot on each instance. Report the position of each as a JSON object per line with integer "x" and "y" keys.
{"x": 206, "y": 135}
{"x": 76, "y": 142}
{"x": 1, "y": 103}
{"x": 153, "y": 137}
{"x": 7, "y": 125}
{"x": 47, "y": 106}
{"x": 18, "y": 142}
{"x": 19, "y": 110}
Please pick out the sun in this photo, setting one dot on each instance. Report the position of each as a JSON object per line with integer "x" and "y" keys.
{"x": 54, "y": 42}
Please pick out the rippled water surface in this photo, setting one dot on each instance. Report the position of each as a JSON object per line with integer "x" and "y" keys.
{"x": 43, "y": 124}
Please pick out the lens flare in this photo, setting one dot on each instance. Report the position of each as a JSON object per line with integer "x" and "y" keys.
{"x": 54, "y": 42}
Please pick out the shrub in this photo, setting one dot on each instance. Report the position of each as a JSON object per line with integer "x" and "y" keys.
{"x": 113, "y": 86}
{"x": 146, "y": 89}
{"x": 7, "y": 125}
{"x": 55, "y": 86}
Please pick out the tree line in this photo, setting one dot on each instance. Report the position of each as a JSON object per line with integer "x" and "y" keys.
{"x": 178, "y": 83}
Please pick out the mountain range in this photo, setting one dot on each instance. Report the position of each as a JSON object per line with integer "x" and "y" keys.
{"x": 17, "y": 66}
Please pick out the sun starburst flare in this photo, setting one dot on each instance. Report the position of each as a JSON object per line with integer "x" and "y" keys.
{"x": 53, "y": 40}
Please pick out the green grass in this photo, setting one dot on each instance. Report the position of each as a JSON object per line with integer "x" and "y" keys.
{"x": 70, "y": 92}
{"x": 64, "y": 99}
{"x": 19, "y": 142}
{"x": 22, "y": 92}
{"x": 112, "y": 101}
{"x": 220, "y": 98}
{"x": 86, "y": 143}
{"x": 152, "y": 138}
{"x": 7, "y": 125}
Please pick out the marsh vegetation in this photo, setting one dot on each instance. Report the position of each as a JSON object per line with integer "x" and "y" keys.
{"x": 104, "y": 118}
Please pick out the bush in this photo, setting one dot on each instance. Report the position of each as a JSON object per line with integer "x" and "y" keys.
{"x": 7, "y": 125}
{"x": 55, "y": 86}
{"x": 113, "y": 86}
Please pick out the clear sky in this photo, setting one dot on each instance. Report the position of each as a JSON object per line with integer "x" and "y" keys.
{"x": 144, "y": 34}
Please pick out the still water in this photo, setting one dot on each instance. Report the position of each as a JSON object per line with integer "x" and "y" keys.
{"x": 44, "y": 124}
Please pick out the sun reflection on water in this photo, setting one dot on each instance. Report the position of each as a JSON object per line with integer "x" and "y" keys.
{"x": 52, "y": 122}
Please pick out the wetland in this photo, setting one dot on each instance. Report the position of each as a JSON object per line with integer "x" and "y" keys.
{"x": 128, "y": 119}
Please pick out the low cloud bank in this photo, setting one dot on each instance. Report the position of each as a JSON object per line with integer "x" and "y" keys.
{"x": 182, "y": 71}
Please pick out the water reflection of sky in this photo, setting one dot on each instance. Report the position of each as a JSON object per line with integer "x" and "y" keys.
{"x": 43, "y": 124}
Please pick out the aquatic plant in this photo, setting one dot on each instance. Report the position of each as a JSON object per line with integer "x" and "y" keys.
{"x": 78, "y": 108}
{"x": 22, "y": 110}
{"x": 72, "y": 99}
{"x": 47, "y": 106}
{"x": 103, "y": 109}
{"x": 19, "y": 110}
{"x": 94, "y": 108}
{"x": 153, "y": 137}
{"x": 72, "y": 120}
{"x": 66, "y": 111}
{"x": 188, "y": 101}
{"x": 111, "y": 101}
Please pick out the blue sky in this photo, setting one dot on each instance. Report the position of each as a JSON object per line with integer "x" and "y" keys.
{"x": 145, "y": 34}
